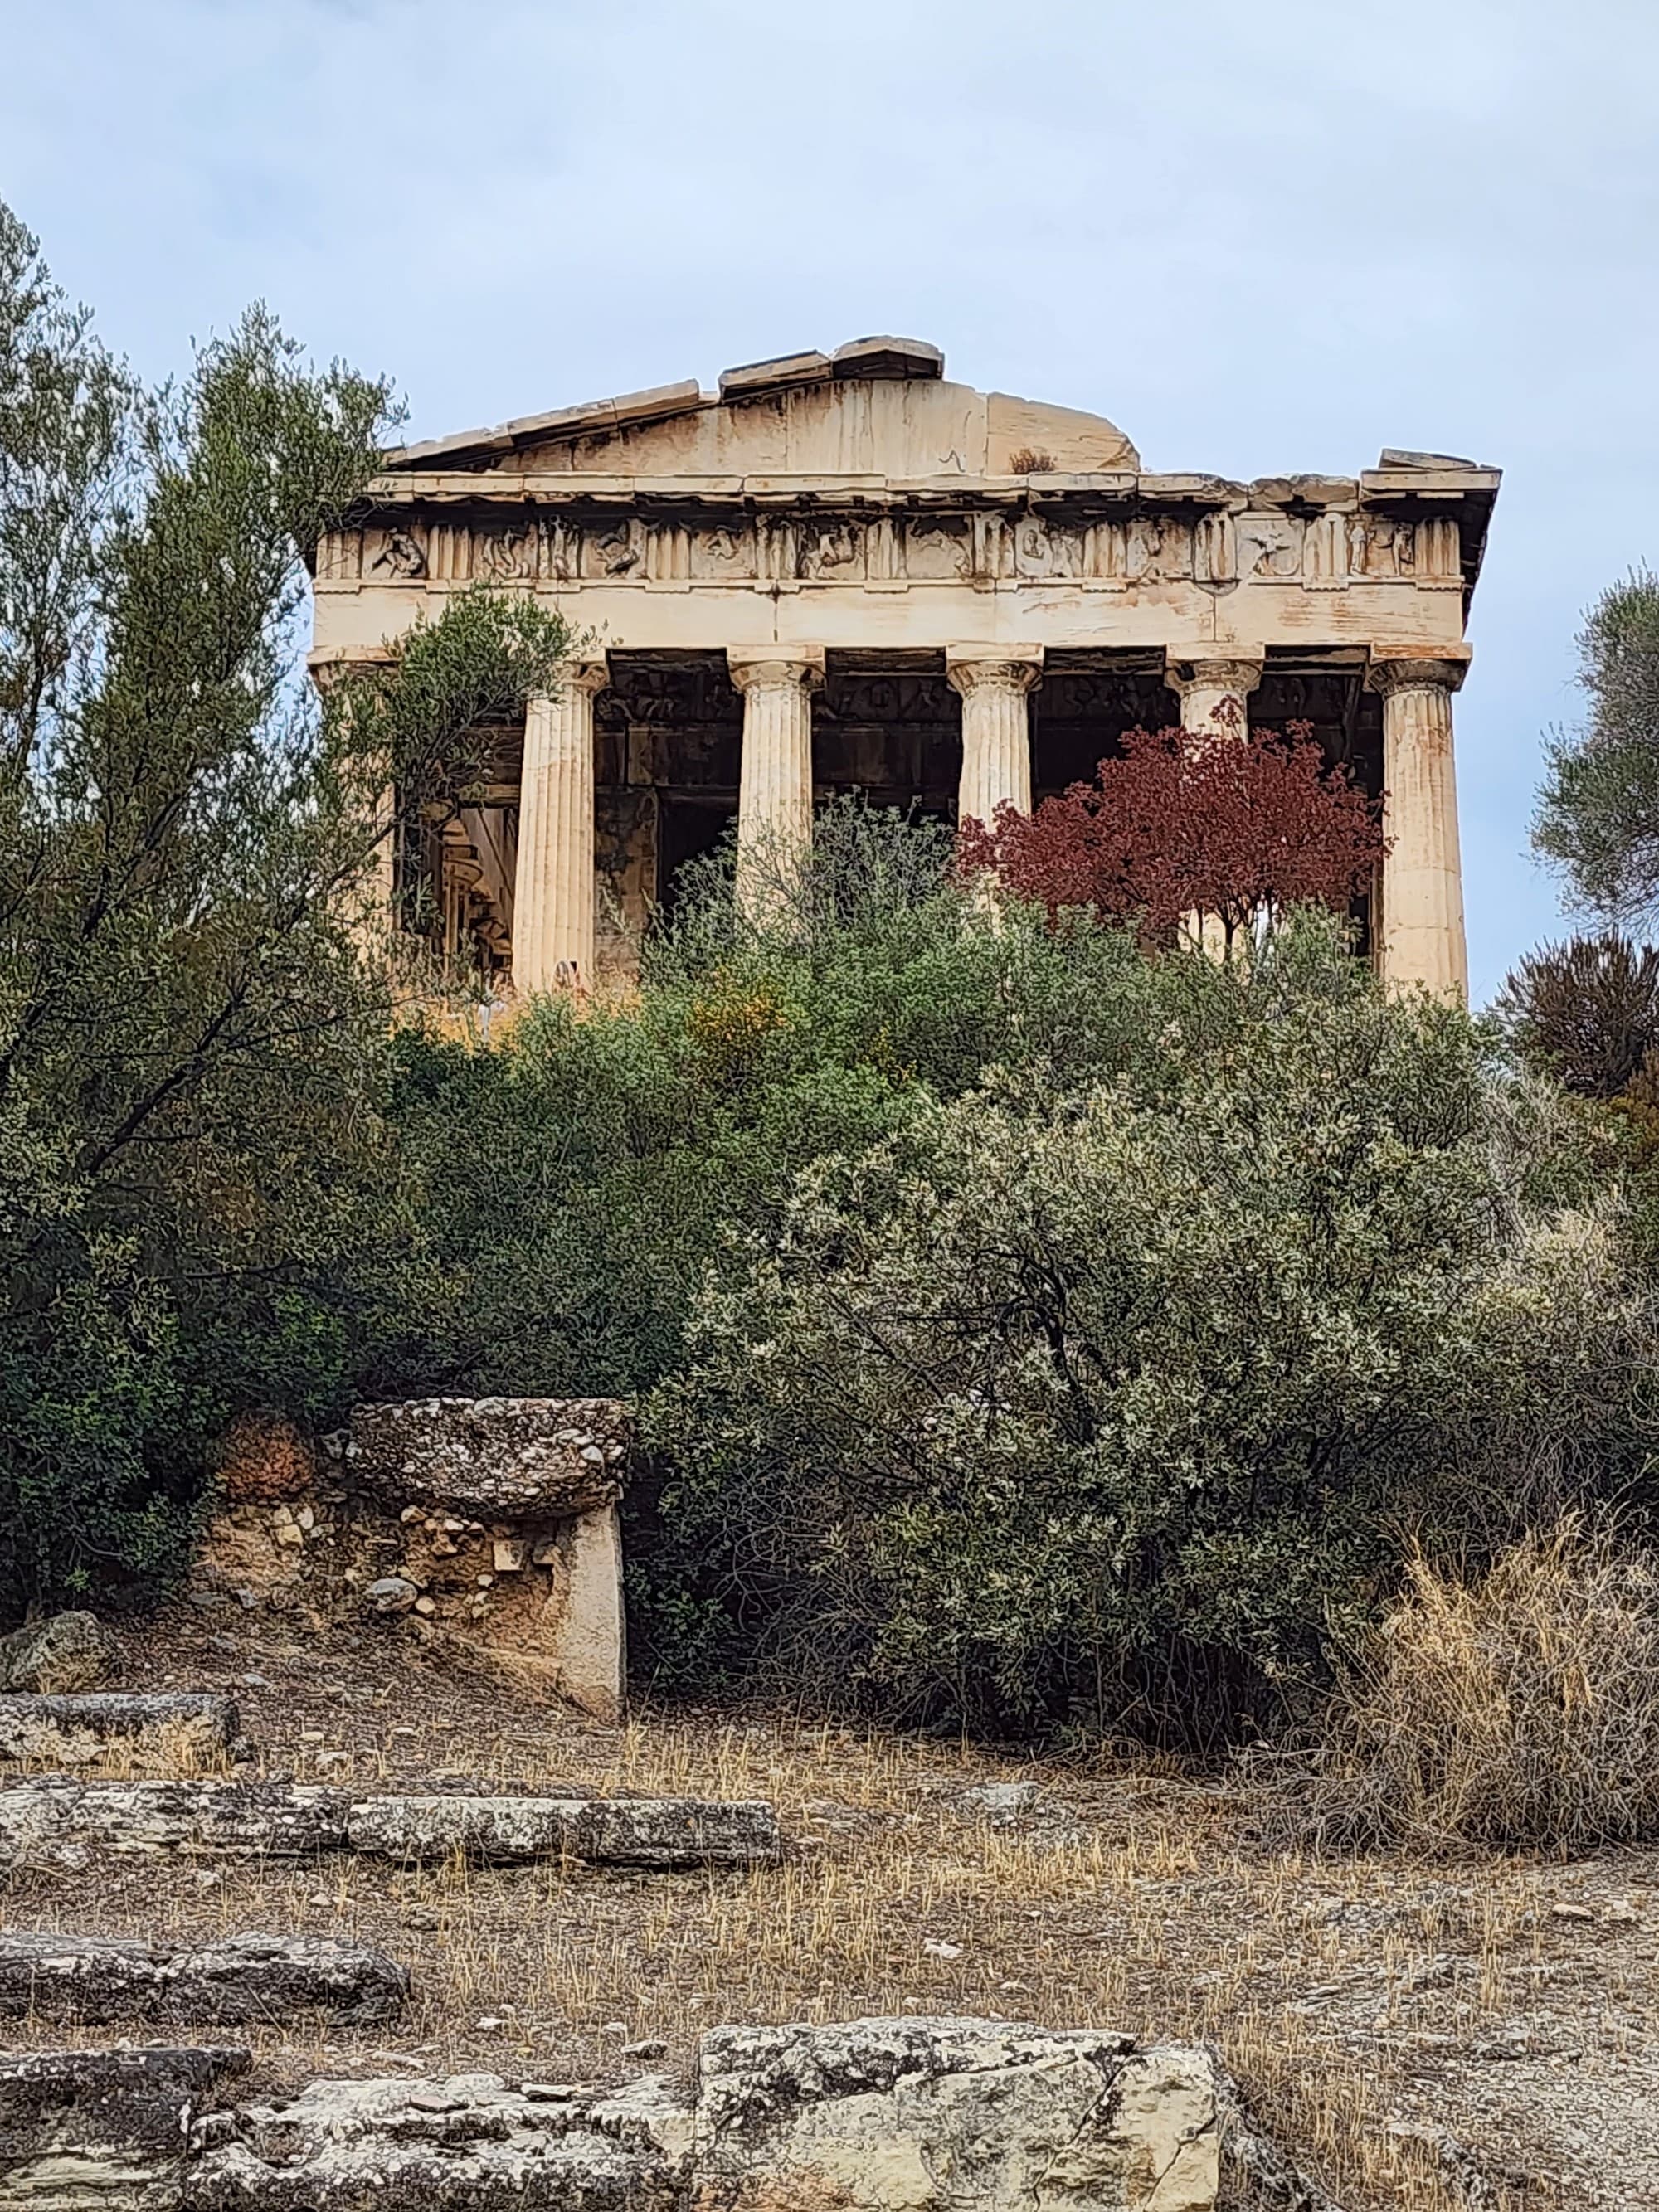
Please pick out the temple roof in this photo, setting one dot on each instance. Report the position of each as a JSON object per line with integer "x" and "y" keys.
{"x": 876, "y": 405}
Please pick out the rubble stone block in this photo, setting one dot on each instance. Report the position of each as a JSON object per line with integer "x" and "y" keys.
{"x": 492, "y": 1458}
{"x": 95, "y": 1979}
{"x": 70, "y": 1651}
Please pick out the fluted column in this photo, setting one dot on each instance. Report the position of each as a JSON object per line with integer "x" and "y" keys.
{"x": 996, "y": 683}
{"x": 553, "y": 895}
{"x": 1214, "y": 691}
{"x": 1422, "y": 940}
{"x": 775, "y": 785}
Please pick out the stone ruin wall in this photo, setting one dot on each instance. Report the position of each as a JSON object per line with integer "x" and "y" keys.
{"x": 489, "y": 1521}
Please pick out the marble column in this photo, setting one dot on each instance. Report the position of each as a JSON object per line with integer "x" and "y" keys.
{"x": 996, "y": 683}
{"x": 1422, "y": 933}
{"x": 553, "y": 893}
{"x": 1214, "y": 693}
{"x": 775, "y": 785}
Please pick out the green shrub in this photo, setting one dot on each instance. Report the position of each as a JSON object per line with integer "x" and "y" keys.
{"x": 1102, "y": 1392}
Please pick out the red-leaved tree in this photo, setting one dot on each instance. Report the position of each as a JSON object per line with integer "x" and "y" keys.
{"x": 1228, "y": 827}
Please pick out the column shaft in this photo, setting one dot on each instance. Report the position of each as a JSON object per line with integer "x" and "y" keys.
{"x": 1423, "y": 939}
{"x": 553, "y": 892}
{"x": 995, "y": 684}
{"x": 775, "y": 789}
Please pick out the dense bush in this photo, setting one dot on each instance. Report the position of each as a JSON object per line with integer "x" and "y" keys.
{"x": 1586, "y": 1011}
{"x": 1105, "y": 1389}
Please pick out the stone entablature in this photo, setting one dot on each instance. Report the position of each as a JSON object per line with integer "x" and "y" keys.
{"x": 822, "y": 523}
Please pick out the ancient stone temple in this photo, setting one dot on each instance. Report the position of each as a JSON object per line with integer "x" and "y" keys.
{"x": 842, "y": 571}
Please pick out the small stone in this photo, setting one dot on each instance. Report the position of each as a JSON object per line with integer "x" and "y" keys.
{"x": 411, "y": 1513}
{"x": 425, "y": 1607}
{"x": 653, "y": 2047}
{"x": 614, "y": 2027}
{"x": 1570, "y": 1912}
{"x": 312, "y": 1736}
{"x": 545, "y": 1553}
{"x": 937, "y": 1949}
{"x": 305, "y": 1519}
{"x": 281, "y": 1516}
{"x": 507, "y": 1555}
{"x": 392, "y": 1594}
{"x": 491, "y": 2024}
{"x": 333, "y": 1759}
{"x": 320, "y": 1899}
{"x": 291, "y": 1536}
{"x": 484, "y": 1581}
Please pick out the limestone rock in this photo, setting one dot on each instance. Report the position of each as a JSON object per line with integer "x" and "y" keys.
{"x": 51, "y": 1820}
{"x": 648, "y": 1832}
{"x": 914, "y": 2115}
{"x": 68, "y": 1730}
{"x": 70, "y": 1651}
{"x": 936, "y": 2115}
{"x": 392, "y": 1594}
{"x": 492, "y": 1458}
{"x": 93, "y": 1979}
{"x": 465, "y": 2144}
{"x": 102, "y": 2130}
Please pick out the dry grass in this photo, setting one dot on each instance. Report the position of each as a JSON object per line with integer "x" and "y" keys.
{"x": 1518, "y": 1712}
{"x": 1136, "y": 1901}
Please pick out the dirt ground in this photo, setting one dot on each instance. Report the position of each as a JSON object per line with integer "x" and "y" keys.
{"x": 1421, "y": 2035}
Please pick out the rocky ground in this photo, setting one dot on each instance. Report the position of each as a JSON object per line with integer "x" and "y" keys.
{"x": 1422, "y": 2035}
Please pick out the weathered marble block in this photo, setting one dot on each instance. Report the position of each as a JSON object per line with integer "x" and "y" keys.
{"x": 94, "y": 1979}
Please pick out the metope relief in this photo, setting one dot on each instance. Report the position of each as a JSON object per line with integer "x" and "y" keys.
{"x": 833, "y": 553}
{"x": 615, "y": 553}
{"x": 1381, "y": 550}
{"x": 1048, "y": 552}
{"x": 560, "y": 550}
{"x": 1157, "y": 550}
{"x": 392, "y": 556}
{"x": 936, "y": 552}
{"x": 725, "y": 555}
{"x": 505, "y": 556}
{"x": 1269, "y": 549}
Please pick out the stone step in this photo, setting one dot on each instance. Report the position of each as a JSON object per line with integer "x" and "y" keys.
{"x": 71, "y": 1729}
{"x": 93, "y": 1980}
{"x": 855, "y": 2116}
{"x": 50, "y": 1820}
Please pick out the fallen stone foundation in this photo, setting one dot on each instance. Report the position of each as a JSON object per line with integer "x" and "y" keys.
{"x": 94, "y": 1980}
{"x": 915, "y": 2115}
{"x": 71, "y": 1730}
{"x": 54, "y": 1821}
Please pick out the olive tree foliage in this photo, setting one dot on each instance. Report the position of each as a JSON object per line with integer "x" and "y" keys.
{"x": 197, "y": 1182}
{"x": 1105, "y": 1397}
{"x": 1598, "y": 812}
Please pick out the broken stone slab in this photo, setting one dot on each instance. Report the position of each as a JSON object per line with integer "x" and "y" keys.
{"x": 928, "y": 2115}
{"x": 71, "y": 1729}
{"x": 506, "y": 1458}
{"x": 70, "y": 1651}
{"x": 639, "y": 1831}
{"x": 82, "y": 2129}
{"x": 96, "y": 1979}
{"x": 467, "y": 2144}
{"x": 50, "y": 1820}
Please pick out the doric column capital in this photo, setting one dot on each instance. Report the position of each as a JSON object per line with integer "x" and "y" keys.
{"x": 1230, "y": 672}
{"x": 775, "y": 667}
{"x": 589, "y": 672}
{"x": 969, "y": 668}
{"x": 1390, "y": 672}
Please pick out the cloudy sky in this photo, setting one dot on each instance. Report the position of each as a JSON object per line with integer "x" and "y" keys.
{"x": 1261, "y": 237}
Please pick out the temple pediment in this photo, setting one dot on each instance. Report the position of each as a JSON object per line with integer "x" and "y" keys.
{"x": 878, "y": 407}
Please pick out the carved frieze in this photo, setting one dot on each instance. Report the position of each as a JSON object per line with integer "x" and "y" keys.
{"x": 393, "y": 555}
{"x": 724, "y": 555}
{"x": 560, "y": 550}
{"x": 1325, "y": 552}
{"x": 614, "y": 553}
{"x": 1158, "y": 550}
{"x": 1047, "y": 551}
{"x": 833, "y": 552}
